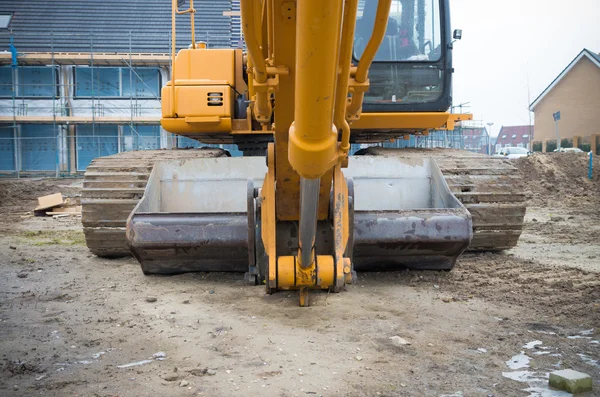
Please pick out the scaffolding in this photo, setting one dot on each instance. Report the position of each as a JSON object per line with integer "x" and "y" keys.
{"x": 78, "y": 106}
{"x": 471, "y": 136}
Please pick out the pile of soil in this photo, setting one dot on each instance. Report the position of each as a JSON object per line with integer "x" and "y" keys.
{"x": 559, "y": 178}
{"x": 24, "y": 192}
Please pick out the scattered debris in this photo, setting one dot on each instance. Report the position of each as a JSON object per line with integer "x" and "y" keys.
{"x": 398, "y": 341}
{"x": 57, "y": 206}
{"x": 151, "y": 299}
{"x": 532, "y": 344}
{"x": 134, "y": 364}
{"x": 482, "y": 350}
{"x": 159, "y": 356}
{"x": 211, "y": 372}
{"x": 184, "y": 383}
{"x": 518, "y": 361}
{"x": 571, "y": 381}
{"x": 358, "y": 358}
{"x": 49, "y": 201}
{"x": 22, "y": 275}
{"x": 186, "y": 302}
{"x": 172, "y": 377}
{"x": 557, "y": 218}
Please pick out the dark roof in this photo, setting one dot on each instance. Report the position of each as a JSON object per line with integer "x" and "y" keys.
{"x": 507, "y": 133}
{"x": 592, "y": 56}
{"x": 75, "y": 25}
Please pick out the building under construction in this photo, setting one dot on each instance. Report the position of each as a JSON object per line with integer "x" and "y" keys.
{"x": 82, "y": 79}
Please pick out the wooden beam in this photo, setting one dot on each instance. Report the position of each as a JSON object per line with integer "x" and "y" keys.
{"x": 151, "y": 120}
{"x": 84, "y": 58}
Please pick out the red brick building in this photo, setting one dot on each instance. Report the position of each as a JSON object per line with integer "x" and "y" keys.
{"x": 515, "y": 136}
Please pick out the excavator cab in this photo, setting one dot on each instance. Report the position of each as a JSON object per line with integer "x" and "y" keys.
{"x": 413, "y": 66}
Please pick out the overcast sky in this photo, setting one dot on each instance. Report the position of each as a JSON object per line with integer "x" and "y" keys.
{"x": 507, "y": 43}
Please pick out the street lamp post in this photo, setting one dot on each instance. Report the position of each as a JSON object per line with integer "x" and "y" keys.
{"x": 490, "y": 138}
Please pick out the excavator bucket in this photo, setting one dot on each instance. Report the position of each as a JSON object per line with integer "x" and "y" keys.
{"x": 405, "y": 215}
{"x": 194, "y": 216}
{"x": 201, "y": 215}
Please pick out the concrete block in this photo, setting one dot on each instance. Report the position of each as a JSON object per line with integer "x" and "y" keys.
{"x": 571, "y": 381}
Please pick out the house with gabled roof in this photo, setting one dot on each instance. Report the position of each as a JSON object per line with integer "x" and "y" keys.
{"x": 575, "y": 93}
{"x": 515, "y": 136}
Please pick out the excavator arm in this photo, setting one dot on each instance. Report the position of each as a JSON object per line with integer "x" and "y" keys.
{"x": 312, "y": 216}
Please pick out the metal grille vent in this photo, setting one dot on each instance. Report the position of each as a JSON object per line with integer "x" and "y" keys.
{"x": 215, "y": 98}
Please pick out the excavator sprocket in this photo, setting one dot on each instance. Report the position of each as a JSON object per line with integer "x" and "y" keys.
{"x": 488, "y": 187}
{"x": 113, "y": 185}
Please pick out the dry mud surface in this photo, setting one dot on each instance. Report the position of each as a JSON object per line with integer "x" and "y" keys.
{"x": 74, "y": 324}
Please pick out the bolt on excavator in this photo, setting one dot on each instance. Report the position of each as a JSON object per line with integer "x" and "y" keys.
{"x": 297, "y": 212}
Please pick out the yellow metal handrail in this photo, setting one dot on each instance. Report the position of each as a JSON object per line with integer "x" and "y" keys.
{"x": 379, "y": 29}
{"x": 175, "y": 11}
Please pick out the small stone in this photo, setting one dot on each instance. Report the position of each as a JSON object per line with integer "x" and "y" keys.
{"x": 482, "y": 350}
{"x": 197, "y": 371}
{"x": 211, "y": 372}
{"x": 403, "y": 384}
{"x": 186, "y": 302}
{"x": 447, "y": 300}
{"x": 151, "y": 299}
{"x": 212, "y": 291}
{"x": 557, "y": 218}
{"x": 534, "y": 220}
{"x": 571, "y": 381}
{"x": 184, "y": 383}
{"x": 12, "y": 247}
{"x": 171, "y": 377}
{"x": 358, "y": 358}
{"x": 398, "y": 341}
{"x": 435, "y": 286}
{"x": 22, "y": 275}
{"x": 571, "y": 217}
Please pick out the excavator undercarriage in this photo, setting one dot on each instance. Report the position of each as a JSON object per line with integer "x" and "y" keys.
{"x": 305, "y": 215}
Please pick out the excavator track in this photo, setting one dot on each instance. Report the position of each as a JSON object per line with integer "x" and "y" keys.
{"x": 488, "y": 187}
{"x": 113, "y": 185}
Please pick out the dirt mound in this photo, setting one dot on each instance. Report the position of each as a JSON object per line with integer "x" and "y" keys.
{"x": 559, "y": 178}
{"x": 24, "y": 192}
{"x": 557, "y": 292}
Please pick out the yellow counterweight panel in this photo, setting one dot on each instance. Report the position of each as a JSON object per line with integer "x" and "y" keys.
{"x": 199, "y": 108}
{"x": 206, "y": 65}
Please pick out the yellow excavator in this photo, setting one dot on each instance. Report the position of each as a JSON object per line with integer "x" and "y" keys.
{"x": 297, "y": 211}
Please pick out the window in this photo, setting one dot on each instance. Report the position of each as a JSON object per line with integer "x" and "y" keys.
{"x": 5, "y": 20}
{"x": 525, "y": 136}
{"x": 514, "y": 136}
{"x": 36, "y": 82}
{"x": 413, "y": 31}
{"x": 408, "y": 66}
{"x": 503, "y": 136}
{"x": 117, "y": 82}
{"x": 6, "y": 79}
{"x": 146, "y": 82}
{"x": 32, "y": 81}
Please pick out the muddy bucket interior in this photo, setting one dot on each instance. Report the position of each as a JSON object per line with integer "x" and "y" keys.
{"x": 405, "y": 215}
{"x": 194, "y": 215}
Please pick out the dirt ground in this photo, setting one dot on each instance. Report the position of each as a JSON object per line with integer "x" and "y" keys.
{"x": 74, "y": 324}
